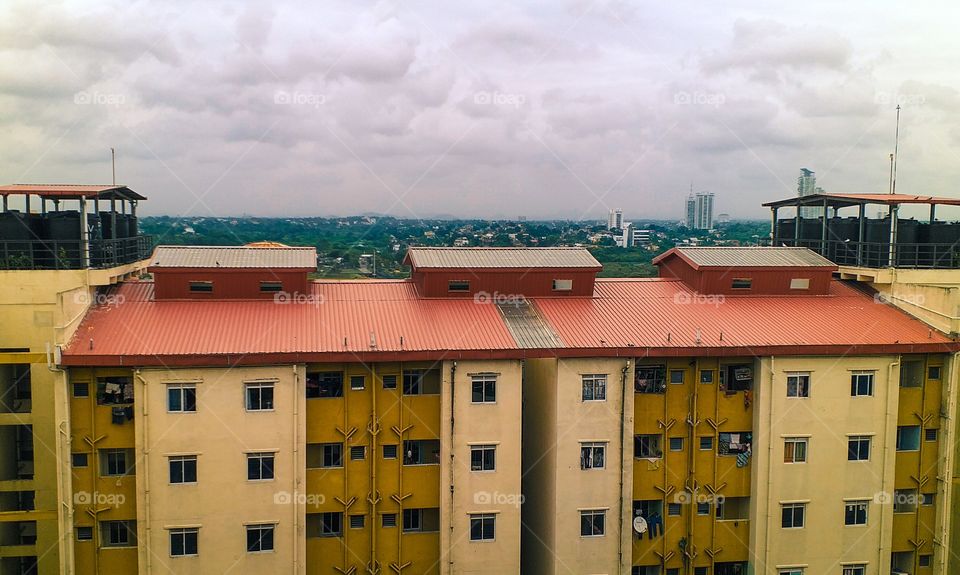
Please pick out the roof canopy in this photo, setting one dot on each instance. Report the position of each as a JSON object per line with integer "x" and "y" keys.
{"x": 845, "y": 200}
{"x": 501, "y": 258}
{"x": 234, "y": 257}
{"x": 72, "y": 191}
{"x": 748, "y": 257}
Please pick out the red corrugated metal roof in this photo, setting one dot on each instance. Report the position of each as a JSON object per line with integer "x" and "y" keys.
{"x": 334, "y": 322}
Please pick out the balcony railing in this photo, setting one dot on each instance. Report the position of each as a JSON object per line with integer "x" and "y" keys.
{"x": 68, "y": 254}
{"x": 880, "y": 255}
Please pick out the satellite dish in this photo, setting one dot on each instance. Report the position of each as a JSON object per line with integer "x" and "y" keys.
{"x": 639, "y": 525}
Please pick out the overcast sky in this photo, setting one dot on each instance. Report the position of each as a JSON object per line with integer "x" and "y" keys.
{"x": 554, "y": 109}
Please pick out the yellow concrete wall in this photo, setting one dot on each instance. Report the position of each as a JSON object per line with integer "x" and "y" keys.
{"x": 826, "y": 417}
{"x": 539, "y": 461}
{"x": 497, "y": 492}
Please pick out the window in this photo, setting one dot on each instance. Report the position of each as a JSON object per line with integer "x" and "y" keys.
{"x": 201, "y": 287}
{"x": 421, "y": 452}
{"x": 389, "y": 519}
{"x": 421, "y": 382}
{"x": 706, "y": 376}
{"x": 260, "y": 538}
{"x": 389, "y": 382}
{"x": 483, "y": 388}
{"x": 854, "y": 570}
{"x": 650, "y": 379}
{"x": 458, "y": 285}
{"x": 358, "y": 382}
{"x": 736, "y": 377}
{"x": 421, "y": 520}
{"x": 358, "y": 452}
{"x": 118, "y": 533}
{"x": 115, "y": 462}
{"x": 79, "y": 459}
{"x": 703, "y": 508}
{"x": 183, "y": 542}
{"x": 674, "y": 509}
{"x": 592, "y": 522}
{"x": 911, "y": 373}
{"x": 357, "y": 521}
{"x": 905, "y": 500}
{"x": 741, "y": 283}
{"x": 800, "y": 283}
{"x": 858, "y": 448}
{"x": 271, "y": 287}
{"x": 927, "y": 498}
{"x": 81, "y": 390}
{"x": 389, "y": 451}
{"x": 593, "y": 455}
{"x": 676, "y": 376}
{"x": 908, "y": 438}
{"x": 676, "y": 444}
{"x": 114, "y": 391}
{"x": 798, "y": 385}
{"x": 181, "y": 398}
{"x": 861, "y": 384}
{"x": 84, "y": 533}
{"x": 925, "y": 560}
{"x": 183, "y": 469}
{"x": 260, "y": 466}
{"x": 483, "y": 457}
{"x": 324, "y": 384}
{"x": 259, "y": 396}
{"x": 791, "y": 571}
{"x": 329, "y": 524}
{"x": 933, "y": 372}
{"x": 706, "y": 443}
{"x": 792, "y": 515}
{"x": 701, "y": 571}
{"x": 647, "y": 446}
{"x": 855, "y": 512}
{"x": 324, "y": 455}
{"x": 483, "y": 526}
{"x": 930, "y": 434}
{"x": 594, "y": 387}
{"x": 562, "y": 285}
{"x": 734, "y": 443}
{"x": 795, "y": 450}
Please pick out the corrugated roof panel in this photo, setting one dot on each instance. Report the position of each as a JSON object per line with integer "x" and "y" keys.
{"x": 754, "y": 257}
{"x": 233, "y": 257}
{"x": 511, "y": 258}
{"x": 527, "y": 327}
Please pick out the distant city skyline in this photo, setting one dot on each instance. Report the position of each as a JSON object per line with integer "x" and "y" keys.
{"x": 420, "y": 109}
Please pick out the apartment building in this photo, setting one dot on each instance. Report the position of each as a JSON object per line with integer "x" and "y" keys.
{"x": 50, "y": 269}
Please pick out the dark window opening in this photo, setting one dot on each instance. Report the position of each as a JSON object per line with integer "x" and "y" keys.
{"x": 325, "y": 384}
{"x": 201, "y": 287}
{"x": 458, "y": 285}
{"x": 271, "y": 287}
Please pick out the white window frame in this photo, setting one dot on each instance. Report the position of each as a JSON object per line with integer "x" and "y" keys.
{"x": 483, "y": 379}
{"x": 595, "y": 382}
{"x": 483, "y": 518}
{"x": 795, "y": 441}
{"x": 259, "y": 385}
{"x": 589, "y": 456}
{"x": 860, "y": 504}
{"x": 271, "y": 527}
{"x": 855, "y": 383}
{"x": 182, "y": 459}
{"x": 796, "y": 378}
{"x": 181, "y": 388}
{"x": 261, "y": 455}
{"x": 794, "y": 506}
{"x": 482, "y": 449}
{"x": 183, "y": 532}
{"x": 594, "y": 513}
{"x": 860, "y": 439}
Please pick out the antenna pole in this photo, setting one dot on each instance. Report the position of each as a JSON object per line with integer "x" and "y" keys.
{"x": 896, "y": 149}
{"x": 113, "y": 164}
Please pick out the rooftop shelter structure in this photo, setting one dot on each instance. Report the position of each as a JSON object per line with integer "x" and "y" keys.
{"x": 55, "y": 226}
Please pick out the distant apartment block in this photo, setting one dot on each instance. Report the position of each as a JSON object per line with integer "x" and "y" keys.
{"x": 615, "y": 219}
{"x": 699, "y": 211}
